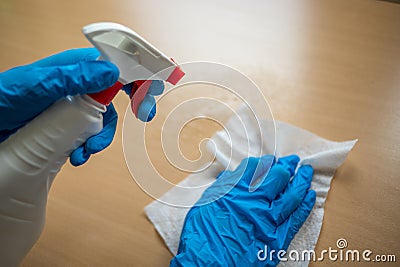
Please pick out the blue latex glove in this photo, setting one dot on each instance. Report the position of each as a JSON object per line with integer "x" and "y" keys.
{"x": 28, "y": 90}
{"x": 232, "y": 230}
{"x": 147, "y": 109}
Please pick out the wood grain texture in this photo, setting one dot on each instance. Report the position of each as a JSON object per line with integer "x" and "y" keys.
{"x": 332, "y": 67}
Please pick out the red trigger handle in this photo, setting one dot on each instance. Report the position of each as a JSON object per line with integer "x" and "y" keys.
{"x": 106, "y": 96}
{"x": 139, "y": 91}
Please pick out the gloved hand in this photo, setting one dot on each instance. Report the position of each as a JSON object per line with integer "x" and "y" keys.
{"x": 232, "y": 230}
{"x": 28, "y": 90}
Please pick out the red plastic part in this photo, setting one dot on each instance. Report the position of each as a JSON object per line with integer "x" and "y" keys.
{"x": 106, "y": 96}
{"x": 176, "y": 75}
{"x": 139, "y": 91}
{"x": 140, "y": 88}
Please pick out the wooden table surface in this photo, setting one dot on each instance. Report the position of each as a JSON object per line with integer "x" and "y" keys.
{"x": 332, "y": 67}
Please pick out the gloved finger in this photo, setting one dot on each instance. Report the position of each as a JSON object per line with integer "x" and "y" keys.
{"x": 147, "y": 109}
{"x": 68, "y": 57}
{"x": 294, "y": 194}
{"x": 292, "y": 225}
{"x": 103, "y": 139}
{"x": 81, "y": 78}
{"x": 249, "y": 169}
{"x": 278, "y": 177}
{"x": 256, "y": 168}
{"x": 289, "y": 163}
{"x": 79, "y": 156}
{"x": 99, "y": 141}
{"x": 156, "y": 88}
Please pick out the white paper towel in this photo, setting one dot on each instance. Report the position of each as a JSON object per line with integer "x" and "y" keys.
{"x": 245, "y": 136}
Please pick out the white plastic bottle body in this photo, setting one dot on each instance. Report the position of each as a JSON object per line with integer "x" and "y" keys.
{"x": 29, "y": 161}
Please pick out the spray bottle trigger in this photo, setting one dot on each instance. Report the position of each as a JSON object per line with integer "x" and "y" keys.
{"x": 139, "y": 91}
{"x": 106, "y": 96}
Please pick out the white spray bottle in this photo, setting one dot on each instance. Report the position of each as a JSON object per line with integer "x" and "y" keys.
{"x": 31, "y": 158}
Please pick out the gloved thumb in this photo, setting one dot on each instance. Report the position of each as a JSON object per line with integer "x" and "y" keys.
{"x": 54, "y": 82}
{"x": 81, "y": 78}
{"x": 28, "y": 90}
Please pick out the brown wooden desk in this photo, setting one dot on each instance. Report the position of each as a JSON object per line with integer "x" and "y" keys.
{"x": 332, "y": 67}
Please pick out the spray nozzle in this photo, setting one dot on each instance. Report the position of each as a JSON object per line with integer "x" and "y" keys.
{"x": 137, "y": 60}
